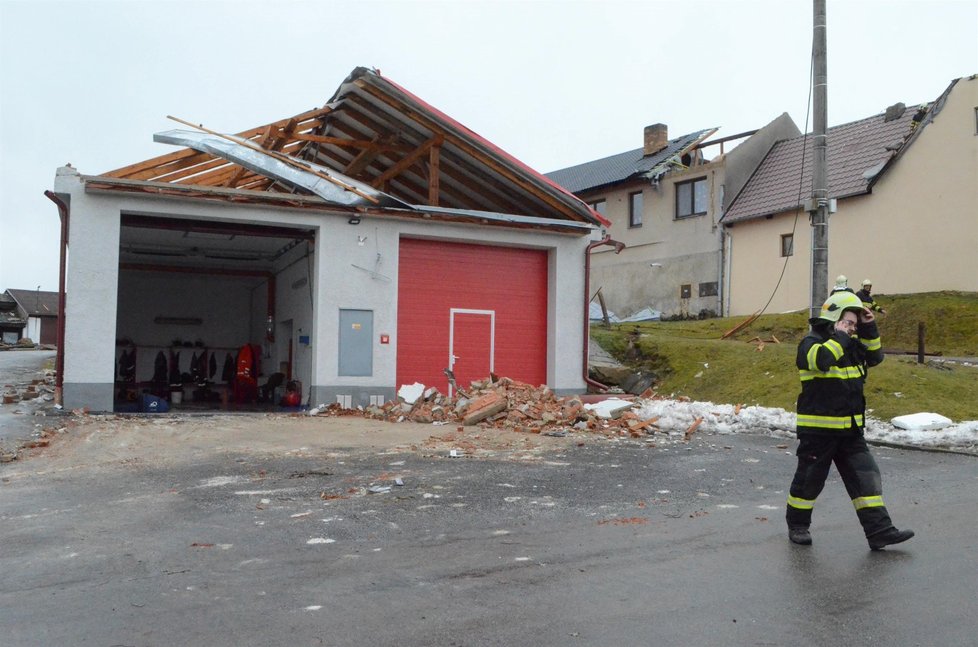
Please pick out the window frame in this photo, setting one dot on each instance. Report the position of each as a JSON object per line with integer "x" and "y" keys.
{"x": 635, "y": 219}
{"x": 692, "y": 198}
{"x": 601, "y": 201}
{"x": 790, "y": 239}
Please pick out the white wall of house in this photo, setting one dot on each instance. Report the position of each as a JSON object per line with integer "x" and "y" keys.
{"x": 916, "y": 232}
{"x": 94, "y": 285}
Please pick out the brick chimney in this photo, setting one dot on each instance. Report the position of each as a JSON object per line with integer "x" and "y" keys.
{"x": 656, "y": 138}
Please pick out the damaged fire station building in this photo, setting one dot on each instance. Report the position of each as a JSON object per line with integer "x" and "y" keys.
{"x": 336, "y": 254}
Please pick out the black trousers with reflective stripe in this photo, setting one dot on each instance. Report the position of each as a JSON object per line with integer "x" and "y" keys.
{"x": 856, "y": 466}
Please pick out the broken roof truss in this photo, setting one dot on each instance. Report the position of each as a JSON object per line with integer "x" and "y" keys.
{"x": 373, "y": 145}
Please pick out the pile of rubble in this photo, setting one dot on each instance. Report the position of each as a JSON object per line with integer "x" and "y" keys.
{"x": 41, "y": 390}
{"x": 508, "y": 404}
{"x": 24, "y": 343}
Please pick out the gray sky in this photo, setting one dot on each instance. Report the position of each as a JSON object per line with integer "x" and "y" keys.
{"x": 553, "y": 83}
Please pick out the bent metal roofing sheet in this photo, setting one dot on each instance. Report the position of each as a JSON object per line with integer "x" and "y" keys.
{"x": 387, "y": 140}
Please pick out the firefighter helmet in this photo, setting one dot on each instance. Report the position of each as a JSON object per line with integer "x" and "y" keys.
{"x": 867, "y": 282}
{"x": 841, "y": 282}
{"x": 838, "y": 303}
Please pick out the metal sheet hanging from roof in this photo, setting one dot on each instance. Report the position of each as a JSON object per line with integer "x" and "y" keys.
{"x": 247, "y": 155}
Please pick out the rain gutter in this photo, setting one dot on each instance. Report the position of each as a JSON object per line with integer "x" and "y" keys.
{"x": 59, "y": 362}
{"x": 587, "y": 303}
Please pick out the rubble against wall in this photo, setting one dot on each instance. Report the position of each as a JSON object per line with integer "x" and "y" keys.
{"x": 508, "y": 404}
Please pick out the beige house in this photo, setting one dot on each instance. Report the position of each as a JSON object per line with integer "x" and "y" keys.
{"x": 906, "y": 185}
{"x": 665, "y": 201}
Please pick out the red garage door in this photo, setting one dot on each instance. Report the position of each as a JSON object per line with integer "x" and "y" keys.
{"x": 475, "y": 307}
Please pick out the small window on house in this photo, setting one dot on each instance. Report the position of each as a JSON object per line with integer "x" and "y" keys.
{"x": 599, "y": 205}
{"x": 976, "y": 120}
{"x": 691, "y": 198}
{"x": 787, "y": 244}
{"x": 685, "y": 291}
{"x": 635, "y": 209}
{"x": 708, "y": 289}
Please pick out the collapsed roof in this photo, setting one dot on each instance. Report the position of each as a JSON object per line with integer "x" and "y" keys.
{"x": 373, "y": 146}
{"x": 630, "y": 165}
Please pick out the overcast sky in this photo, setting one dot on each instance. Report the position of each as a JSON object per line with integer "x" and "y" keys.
{"x": 553, "y": 83}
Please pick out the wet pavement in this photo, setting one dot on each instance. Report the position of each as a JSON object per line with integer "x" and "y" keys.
{"x": 601, "y": 542}
{"x": 18, "y": 421}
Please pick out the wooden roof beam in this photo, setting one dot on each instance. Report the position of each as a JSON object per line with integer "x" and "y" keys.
{"x": 407, "y": 161}
{"x": 427, "y": 122}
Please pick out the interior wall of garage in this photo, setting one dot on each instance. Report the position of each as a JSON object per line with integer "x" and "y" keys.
{"x": 221, "y": 303}
{"x": 293, "y": 311}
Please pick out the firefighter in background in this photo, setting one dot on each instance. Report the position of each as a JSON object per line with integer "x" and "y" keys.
{"x": 867, "y": 298}
{"x": 841, "y": 284}
{"x": 832, "y": 362}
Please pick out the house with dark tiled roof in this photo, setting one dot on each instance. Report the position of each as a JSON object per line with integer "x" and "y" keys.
{"x": 664, "y": 201}
{"x": 29, "y": 313}
{"x": 905, "y": 185}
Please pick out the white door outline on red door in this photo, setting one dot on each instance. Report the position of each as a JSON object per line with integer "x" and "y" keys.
{"x": 451, "y": 337}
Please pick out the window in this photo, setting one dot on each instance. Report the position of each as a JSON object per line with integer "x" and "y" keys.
{"x": 599, "y": 205}
{"x": 691, "y": 198}
{"x": 685, "y": 291}
{"x": 708, "y": 289}
{"x": 635, "y": 209}
{"x": 976, "y": 120}
{"x": 787, "y": 244}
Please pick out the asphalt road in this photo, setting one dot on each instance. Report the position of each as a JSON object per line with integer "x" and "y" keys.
{"x": 17, "y": 421}
{"x": 609, "y": 543}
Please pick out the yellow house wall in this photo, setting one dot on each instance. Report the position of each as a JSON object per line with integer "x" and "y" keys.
{"x": 916, "y": 232}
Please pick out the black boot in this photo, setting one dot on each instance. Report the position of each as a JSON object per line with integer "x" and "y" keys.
{"x": 800, "y": 535}
{"x": 884, "y": 538}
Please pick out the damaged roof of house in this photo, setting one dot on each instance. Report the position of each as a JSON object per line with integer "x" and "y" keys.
{"x": 628, "y": 165}
{"x": 386, "y": 147}
{"x": 857, "y": 153}
{"x": 37, "y": 303}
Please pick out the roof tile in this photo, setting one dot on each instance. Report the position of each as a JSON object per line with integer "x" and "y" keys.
{"x": 783, "y": 180}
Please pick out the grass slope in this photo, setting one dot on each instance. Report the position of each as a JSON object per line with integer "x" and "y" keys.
{"x": 692, "y": 360}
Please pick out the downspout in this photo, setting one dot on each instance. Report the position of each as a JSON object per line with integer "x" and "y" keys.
{"x": 59, "y": 362}
{"x": 587, "y": 303}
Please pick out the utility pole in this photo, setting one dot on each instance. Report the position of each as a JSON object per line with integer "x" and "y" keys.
{"x": 819, "y": 205}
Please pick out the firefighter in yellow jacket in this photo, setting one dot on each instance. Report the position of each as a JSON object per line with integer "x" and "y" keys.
{"x": 832, "y": 363}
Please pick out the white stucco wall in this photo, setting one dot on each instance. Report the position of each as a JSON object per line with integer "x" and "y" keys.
{"x": 93, "y": 279}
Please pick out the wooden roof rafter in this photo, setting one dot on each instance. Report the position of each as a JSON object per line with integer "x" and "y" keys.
{"x": 431, "y": 124}
{"x": 162, "y": 166}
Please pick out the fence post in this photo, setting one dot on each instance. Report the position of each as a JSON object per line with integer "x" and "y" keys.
{"x": 920, "y": 342}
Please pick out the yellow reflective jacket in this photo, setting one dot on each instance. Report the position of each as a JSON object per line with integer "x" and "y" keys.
{"x": 832, "y": 368}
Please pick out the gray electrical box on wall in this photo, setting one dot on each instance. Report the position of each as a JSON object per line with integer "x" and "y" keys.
{"x": 356, "y": 342}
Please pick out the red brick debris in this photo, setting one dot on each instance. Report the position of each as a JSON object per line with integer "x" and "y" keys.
{"x": 505, "y": 403}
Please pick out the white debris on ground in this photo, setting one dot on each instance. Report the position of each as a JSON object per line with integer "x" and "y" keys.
{"x": 677, "y": 416}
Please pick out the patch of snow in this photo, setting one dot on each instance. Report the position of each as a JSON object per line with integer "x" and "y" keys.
{"x": 676, "y": 416}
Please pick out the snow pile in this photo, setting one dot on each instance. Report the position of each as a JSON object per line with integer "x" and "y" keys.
{"x": 676, "y": 416}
